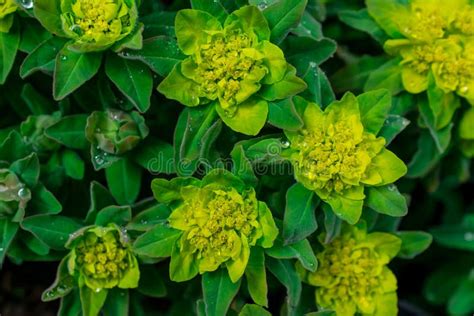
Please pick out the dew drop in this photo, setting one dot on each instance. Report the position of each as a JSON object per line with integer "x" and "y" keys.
{"x": 313, "y": 64}
{"x": 22, "y": 193}
{"x": 63, "y": 57}
{"x": 469, "y": 236}
{"x": 27, "y": 4}
{"x": 285, "y": 143}
{"x": 2, "y": 249}
{"x": 99, "y": 160}
{"x": 262, "y": 5}
{"x": 98, "y": 290}
{"x": 392, "y": 187}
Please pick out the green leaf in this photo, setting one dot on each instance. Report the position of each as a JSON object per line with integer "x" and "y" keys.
{"x": 253, "y": 310}
{"x": 455, "y": 236}
{"x": 362, "y": 21}
{"x": 54, "y": 231}
{"x": 218, "y": 291}
{"x": 160, "y": 53}
{"x": 70, "y": 131}
{"x": 300, "y": 250}
{"x": 8, "y": 231}
{"x": 132, "y": 78}
{"x": 156, "y": 156}
{"x": 386, "y": 200}
{"x": 299, "y": 221}
{"x": 92, "y": 301}
{"x": 48, "y": 12}
{"x": 413, "y": 243}
{"x": 34, "y": 244}
{"x": 148, "y": 218}
{"x": 374, "y": 107}
{"x": 100, "y": 198}
{"x": 309, "y": 26}
{"x": 13, "y": 148}
{"x": 117, "y": 303}
{"x": 73, "y": 164}
{"x": 242, "y": 166}
{"x": 28, "y": 169}
{"x": 70, "y": 305}
{"x": 303, "y": 52}
{"x": 257, "y": 276}
{"x": 36, "y": 102}
{"x": 119, "y": 215}
{"x": 124, "y": 181}
{"x": 72, "y": 70}
{"x": 425, "y": 158}
{"x": 285, "y": 272}
{"x": 387, "y": 14}
{"x": 442, "y": 106}
{"x": 462, "y": 302}
{"x": 152, "y": 285}
{"x": 9, "y": 43}
{"x": 332, "y": 223}
{"x": 63, "y": 284}
{"x": 355, "y": 74}
{"x": 157, "y": 242}
{"x": 283, "y": 114}
{"x": 319, "y": 88}
{"x": 441, "y": 137}
{"x": 450, "y": 276}
{"x": 196, "y": 131}
{"x": 215, "y": 8}
{"x": 290, "y": 85}
{"x": 43, "y": 201}
{"x": 284, "y": 16}
{"x": 393, "y": 125}
{"x": 42, "y": 58}
{"x": 388, "y": 76}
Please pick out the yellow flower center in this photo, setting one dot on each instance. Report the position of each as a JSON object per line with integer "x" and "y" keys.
{"x": 457, "y": 72}
{"x": 223, "y": 64}
{"x": 102, "y": 258}
{"x": 423, "y": 56}
{"x": 425, "y": 24}
{"x": 216, "y": 224}
{"x": 333, "y": 159}
{"x": 351, "y": 272}
{"x": 464, "y": 21}
{"x": 95, "y": 16}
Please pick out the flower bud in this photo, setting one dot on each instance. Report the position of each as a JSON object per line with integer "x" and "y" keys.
{"x": 33, "y": 129}
{"x": 13, "y": 193}
{"x": 115, "y": 132}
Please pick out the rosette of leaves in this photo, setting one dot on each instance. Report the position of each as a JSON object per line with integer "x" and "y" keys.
{"x": 22, "y": 195}
{"x": 86, "y": 30}
{"x": 232, "y": 66}
{"x": 113, "y": 133}
{"x": 99, "y": 267}
{"x": 430, "y": 66}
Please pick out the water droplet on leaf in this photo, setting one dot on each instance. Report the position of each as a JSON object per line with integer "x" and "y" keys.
{"x": 27, "y": 4}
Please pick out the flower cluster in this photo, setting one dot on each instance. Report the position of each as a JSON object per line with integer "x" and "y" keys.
{"x": 230, "y": 65}
{"x": 7, "y": 7}
{"x": 437, "y": 41}
{"x": 336, "y": 156}
{"x": 98, "y": 24}
{"x": 220, "y": 220}
{"x": 101, "y": 258}
{"x": 353, "y": 277}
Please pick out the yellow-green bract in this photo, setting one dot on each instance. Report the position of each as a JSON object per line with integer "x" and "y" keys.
{"x": 232, "y": 65}
{"x": 220, "y": 220}
{"x": 336, "y": 156}
{"x": 353, "y": 277}
{"x": 7, "y": 7}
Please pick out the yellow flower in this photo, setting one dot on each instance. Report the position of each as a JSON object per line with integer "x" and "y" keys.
{"x": 336, "y": 155}
{"x": 353, "y": 277}
{"x": 219, "y": 220}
